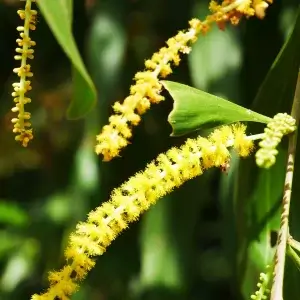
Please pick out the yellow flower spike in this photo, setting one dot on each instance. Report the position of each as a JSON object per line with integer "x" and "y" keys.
{"x": 132, "y": 198}
{"x": 208, "y": 152}
{"x": 246, "y": 8}
{"x": 25, "y": 51}
{"x": 222, "y": 134}
{"x": 147, "y": 88}
{"x": 282, "y": 124}
{"x": 260, "y": 7}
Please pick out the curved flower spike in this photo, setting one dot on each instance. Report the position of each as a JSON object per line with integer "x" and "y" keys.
{"x": 146, "y": 89}
{"x": 22, "y": 125}
{"x": 131, "y": 199}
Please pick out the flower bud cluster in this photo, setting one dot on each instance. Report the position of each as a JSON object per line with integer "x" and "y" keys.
{"x": 282, "y": 124}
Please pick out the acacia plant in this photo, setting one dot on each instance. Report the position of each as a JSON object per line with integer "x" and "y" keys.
{"x": 228, "y": 137}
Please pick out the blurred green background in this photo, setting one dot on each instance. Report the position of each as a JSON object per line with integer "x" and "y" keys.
{"x": 186, "y": 247}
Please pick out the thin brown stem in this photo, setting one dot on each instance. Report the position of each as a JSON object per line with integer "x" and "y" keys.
{"x": 277, "y": 287}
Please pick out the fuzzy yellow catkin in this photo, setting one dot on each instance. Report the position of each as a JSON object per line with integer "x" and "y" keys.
{"x": 147, "y": 88}
{"x": 130, "y": 200}
{"x": 22, "y": 125}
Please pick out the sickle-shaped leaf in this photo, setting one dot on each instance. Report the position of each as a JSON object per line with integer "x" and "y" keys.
{"x": 58, "y": 15}
{"x": 194, "y": 109}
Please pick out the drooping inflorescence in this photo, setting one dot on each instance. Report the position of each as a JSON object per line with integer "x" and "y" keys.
{"x": 22, "y": 125}
{"x": 282, "y": 124}
{"x": 147, "y": 88}
{"x": 130, "y": 200}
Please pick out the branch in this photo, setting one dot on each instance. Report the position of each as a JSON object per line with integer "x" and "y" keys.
{"x": 294, "y": 244}
{"x": 277, "y": 287}
{"x": 294, "y": 256}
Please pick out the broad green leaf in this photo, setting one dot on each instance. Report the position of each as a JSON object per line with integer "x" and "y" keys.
{"x": 194, "y": 109}
{"x": 216, "y": 58}
{"x": 69, "y": 6}
{"x": 279, "y": 86}
{"x": 83, "y": 96}
{"x": 19, "y": 265}
{"x": 263, "y": 217}
{"x": 106, "y": 48}
{"x": 58, "y": 15}
{"x": 12, "y": 214}
{"x": 165, "y": 265}
{"x": 159, "y": 265}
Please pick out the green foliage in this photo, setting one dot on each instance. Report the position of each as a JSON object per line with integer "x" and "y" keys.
{"x": 208, "y": 240}
{"x": 214, "y": 68}
{"x": 58, "y": 15}
{"x": 258, "y": 192}
{"x": 279, "y": 86}
{"x": 258, "y": 219}
{"x": 12, "y": 214}
{"x": 194, "y": 109}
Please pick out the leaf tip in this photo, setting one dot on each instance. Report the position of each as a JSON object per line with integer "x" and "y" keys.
{"x": 74, "y": 113}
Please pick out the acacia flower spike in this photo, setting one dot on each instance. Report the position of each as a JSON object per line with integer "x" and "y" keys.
{"x": 147, "y": 88}
{"x": 131, "y": 199}
{"x": 22, "y": 125}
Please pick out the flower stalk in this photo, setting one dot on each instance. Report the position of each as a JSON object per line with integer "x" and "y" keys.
{"x": 281, "y": 249}
{"x": 22, "y": 125}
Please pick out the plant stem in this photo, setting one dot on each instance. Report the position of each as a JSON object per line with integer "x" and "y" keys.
{"x": 294, "y": 244}
{"x": 258, "y": 136}
{"x": 294, "y": 256}
{"x": 233, "y": 5}
{"x": 277, "y": 287}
